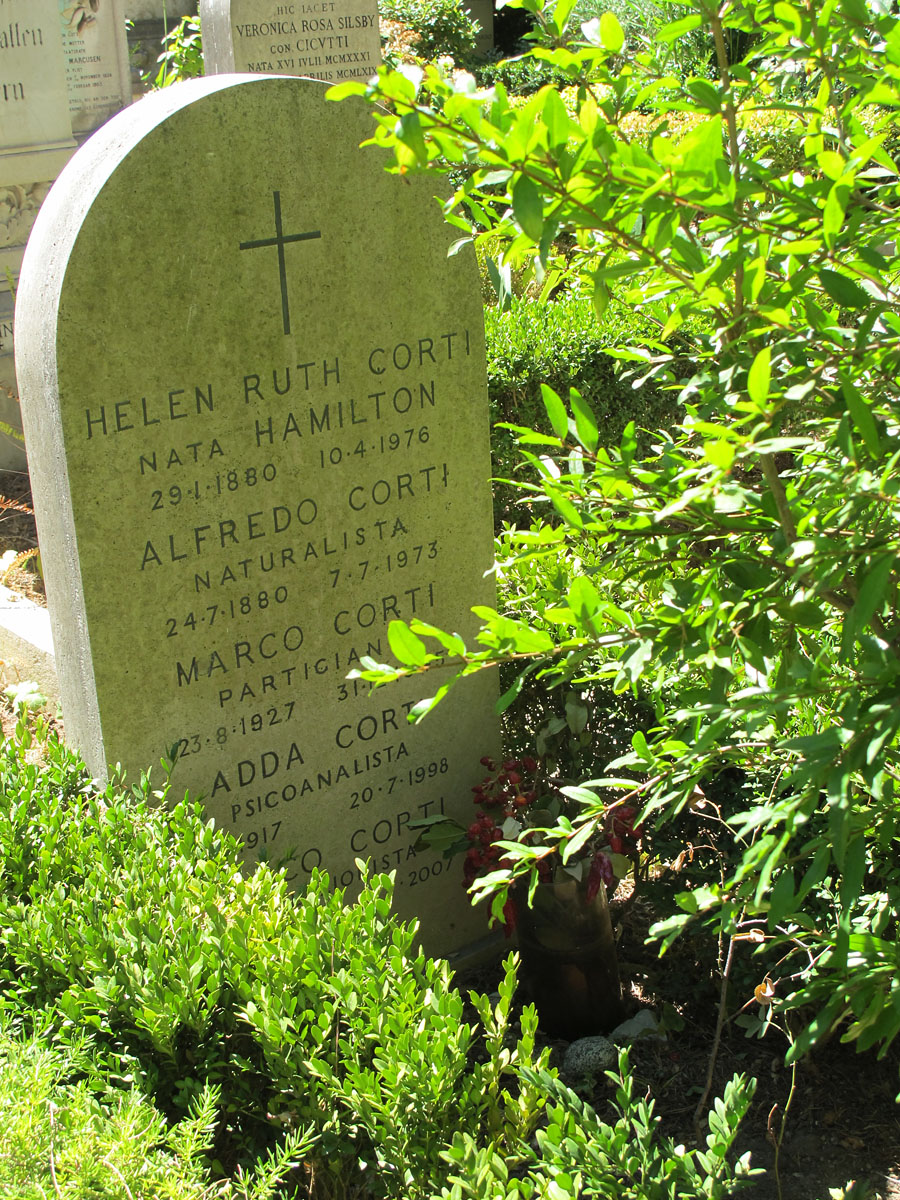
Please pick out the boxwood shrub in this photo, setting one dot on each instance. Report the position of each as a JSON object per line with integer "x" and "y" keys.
{"x": 165, "y": 1000}
{"x": 561, "y": 343}
{"x": 137, "y": 925}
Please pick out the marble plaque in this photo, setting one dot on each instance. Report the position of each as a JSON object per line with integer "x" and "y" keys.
{"x": 282, "y": 447}
{"x": 98, "y": 77}
{"x": 323, "y": 39}
{"x": 35, "y": 129}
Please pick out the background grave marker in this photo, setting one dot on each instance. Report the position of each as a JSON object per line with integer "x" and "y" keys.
{"x": 61, "y": 75}
{"x": 323, "y": 39}
{"x": 230, "y": 513}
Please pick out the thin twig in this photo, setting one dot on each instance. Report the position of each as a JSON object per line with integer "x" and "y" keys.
{"x": 52, "y": 1110}
{"x": 115, "y": 1170}
{"x": 717, "y": 1037}
{"x": 770, "y": 1132}
{"x": 776, "y": 487}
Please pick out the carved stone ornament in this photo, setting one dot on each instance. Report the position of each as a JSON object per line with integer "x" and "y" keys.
{"x": 19, "y": 204}
{"x": 81, "y": 13}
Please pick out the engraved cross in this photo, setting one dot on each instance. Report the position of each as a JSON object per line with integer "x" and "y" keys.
{"x": 280, "y": 240}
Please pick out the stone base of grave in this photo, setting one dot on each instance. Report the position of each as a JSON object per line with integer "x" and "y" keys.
{"x": 26, "y": 646}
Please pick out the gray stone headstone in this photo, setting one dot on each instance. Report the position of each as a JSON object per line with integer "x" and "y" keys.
{"x": 63, "y": 71}
{"x": 35, "y": 128}
{"x": 247, "y": 466}
{"x": 98, "y": 75}
{"x": 483, "y": 12}
{"x": 323, "y": 39}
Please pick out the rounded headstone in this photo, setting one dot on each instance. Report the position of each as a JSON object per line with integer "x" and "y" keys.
{"x": 253, "y": 386}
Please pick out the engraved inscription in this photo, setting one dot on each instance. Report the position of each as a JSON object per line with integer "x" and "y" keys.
{"x": 288, "y": 515}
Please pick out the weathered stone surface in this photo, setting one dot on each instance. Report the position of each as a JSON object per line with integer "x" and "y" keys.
{"x": 35, "y": 128}
{"x": 246, "y": 467}
{"x": 63, "y": 71}
{"x": 12, "y": 448}
{"x": 98, "y": 76}
{"x": 323, "y": 39}
{"x": 483, "y": 12}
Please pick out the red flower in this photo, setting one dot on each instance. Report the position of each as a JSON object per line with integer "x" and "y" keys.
{"x": 601, "y": 872}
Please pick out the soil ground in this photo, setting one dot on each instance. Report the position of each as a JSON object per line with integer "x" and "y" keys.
{"x": 843, "y": 1123}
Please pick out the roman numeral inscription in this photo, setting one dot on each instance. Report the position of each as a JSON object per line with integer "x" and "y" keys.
{"x": 280, "y": 240}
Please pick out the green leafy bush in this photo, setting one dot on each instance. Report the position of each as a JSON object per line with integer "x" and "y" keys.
{"x": 309, "y": 1037}
{"x": 520, "y": 76}
{"x": 182, "y": 54}
{"x": 578, "y": 1154}
{"x": 442, "y": 27}
{"x": 742, "y": 570}
{"x": 641, "y": 20}
{"x": 64, "y": 1133}
{"x": 137, "y": 924}
{"x": 561, "y": 344}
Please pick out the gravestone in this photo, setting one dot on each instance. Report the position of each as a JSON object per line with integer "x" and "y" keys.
{"x": 35, "y": 142}
{"x": 483, "y": 12}
{"x": 35, "y": 129}
{"x": 63, "y": 71}
{"x": 98, "y": 75}
{"x": 246, "y": 468}
{"x": 323, "y": 39}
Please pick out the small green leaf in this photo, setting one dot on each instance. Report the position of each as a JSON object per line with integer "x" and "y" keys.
{"x": 612, "y": 35}
{"x": 853, "y": 871}
{"x": 451, "y": 642}
{"x": 640, "y": 747}
{"x": 574, "y": 844}
{"x": 585, "y": 422}
{"x": 861, "y": 414}
{"x": 843, "y": 290}
{"x": 781, "y": 899}
{"x": 528, "y": 207}
{"x": 560, "y": 126}
{"x": 556, "y": 411}
{"x": 760, "y": 375}
{"x": 633, "y": 665}
{"x": 600, "y": 295}
{"x": 565, "y": 508}
{"x": 872, "y": 592}
{"x": 409, "y": 132}
{"x": 405, "y": 646}
{"x": 500, "y": 275}
{"x": 676, "y": 29}
{"x": 833, "y": 214}
{"x": 585, "y": 602}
